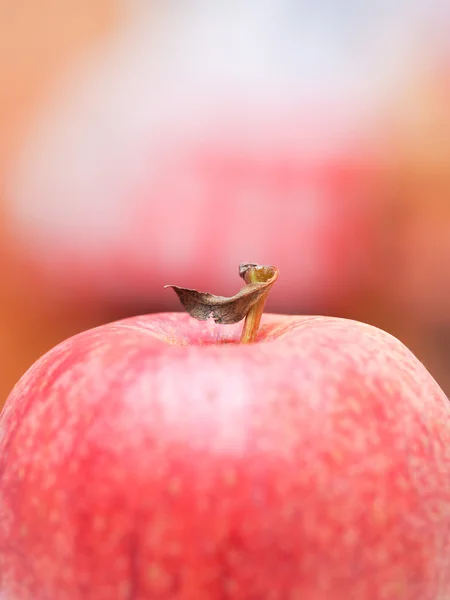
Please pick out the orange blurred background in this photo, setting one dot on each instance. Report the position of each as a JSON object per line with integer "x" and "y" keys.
{"x": 151, "y": 143}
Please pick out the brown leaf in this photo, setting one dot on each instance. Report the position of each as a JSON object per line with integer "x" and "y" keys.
{"x": 202, "y": 305}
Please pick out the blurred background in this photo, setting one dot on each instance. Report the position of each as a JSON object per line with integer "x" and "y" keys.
{"x": 145, "y": 143}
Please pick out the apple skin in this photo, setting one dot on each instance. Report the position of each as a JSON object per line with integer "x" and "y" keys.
{"x": 154, "y": 458}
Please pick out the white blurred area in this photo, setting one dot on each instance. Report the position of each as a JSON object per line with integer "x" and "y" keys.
{"x": 126, "y": 168}
{"x": 151, "y": 142}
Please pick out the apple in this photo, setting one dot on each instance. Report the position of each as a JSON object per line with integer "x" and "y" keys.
{"x": 156, "y": 457}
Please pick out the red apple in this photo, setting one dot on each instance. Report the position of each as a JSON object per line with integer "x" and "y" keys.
{"x": 156, "y": 458}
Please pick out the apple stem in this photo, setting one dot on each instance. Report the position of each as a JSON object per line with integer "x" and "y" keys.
{"x": 252, "y": 321}
{"x": 254, "y": 274}
{"x": 248, "y": 303}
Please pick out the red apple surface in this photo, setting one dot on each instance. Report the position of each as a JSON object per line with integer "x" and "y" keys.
{"x": 156, "y": 458}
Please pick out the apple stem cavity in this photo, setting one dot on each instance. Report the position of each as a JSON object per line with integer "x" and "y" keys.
{"x": 248, "y": 303}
